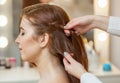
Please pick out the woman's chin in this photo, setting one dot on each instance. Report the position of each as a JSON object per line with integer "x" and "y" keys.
{"x": 23, "y": 58}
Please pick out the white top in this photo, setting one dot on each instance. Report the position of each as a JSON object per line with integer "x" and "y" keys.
{"x": 114, "y": 25}
{"x": 89, "y": 78}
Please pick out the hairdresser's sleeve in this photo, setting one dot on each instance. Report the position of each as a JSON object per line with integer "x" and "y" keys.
{"x": 114, "y": 25}
{"x": 89, "y": 78}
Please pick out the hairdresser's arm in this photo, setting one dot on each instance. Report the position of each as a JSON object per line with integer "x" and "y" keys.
{"x": 86, "y": 23}
{"x": 83, "y": 24}
{"x": 77, "y": 70}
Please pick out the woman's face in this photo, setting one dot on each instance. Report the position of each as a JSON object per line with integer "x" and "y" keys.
{"x": 28, "y": 46}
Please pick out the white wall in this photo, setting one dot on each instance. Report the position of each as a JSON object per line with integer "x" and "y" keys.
{"x": 115, "y": 41}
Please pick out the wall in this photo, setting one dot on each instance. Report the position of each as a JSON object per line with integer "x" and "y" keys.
{"x": 115, "y": 41}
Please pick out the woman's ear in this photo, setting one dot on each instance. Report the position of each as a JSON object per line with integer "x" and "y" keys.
{"x": 43, "y": 40}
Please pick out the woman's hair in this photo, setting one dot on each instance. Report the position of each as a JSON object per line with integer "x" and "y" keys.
{"x": 51, "y": 19}
{"x": 30, "y": 2}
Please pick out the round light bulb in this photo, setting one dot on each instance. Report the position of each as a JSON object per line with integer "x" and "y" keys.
{"x": 102, "y": 37}
{"x": 3, "y": 42}
{"x": 102, "y": 3}
{"x": 3, "y": 20}
{"x": 2, "y": 2}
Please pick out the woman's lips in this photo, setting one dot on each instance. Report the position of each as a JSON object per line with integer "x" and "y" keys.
{"x": 20, "y": 49}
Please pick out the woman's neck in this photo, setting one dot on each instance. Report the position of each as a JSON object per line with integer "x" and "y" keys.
{"x": 49, "y": 66}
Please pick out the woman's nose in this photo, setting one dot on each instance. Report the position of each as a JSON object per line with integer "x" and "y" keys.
{"x": 17, "y": 40}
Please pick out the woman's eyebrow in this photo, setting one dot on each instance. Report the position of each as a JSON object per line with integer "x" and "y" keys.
{"x": 22, "y": 28}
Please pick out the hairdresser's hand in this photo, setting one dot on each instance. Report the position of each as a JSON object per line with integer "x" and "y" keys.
{"x": 84, "y": 24}
{"x": 73, "y": 67}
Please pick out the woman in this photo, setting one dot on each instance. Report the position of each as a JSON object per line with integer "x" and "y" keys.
{"x": 42, "y": 41}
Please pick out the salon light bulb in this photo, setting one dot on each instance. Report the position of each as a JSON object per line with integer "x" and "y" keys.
{"x": 2, "y": 2}
{"x": 3, "y": 20}
{"x": 102, "y": 3}
{"x": 3, "y": 42}
{"x": 102, "y": 37}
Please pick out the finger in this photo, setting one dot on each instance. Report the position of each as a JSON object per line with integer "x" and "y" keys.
{"x": 66, "y": 63}
{"x": 77, "y": 33}
{"x": 73, "y": 23}
{"x": 74, "y": 20}
{"x": 68, "y": 57}
{"x": 67, "y": 32}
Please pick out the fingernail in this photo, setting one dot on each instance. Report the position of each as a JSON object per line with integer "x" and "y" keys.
{"x": 66, "y": 53}
{"x": 65, "y": 26}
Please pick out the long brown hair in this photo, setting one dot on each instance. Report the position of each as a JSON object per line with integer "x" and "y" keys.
{"x": 51, "y": 19}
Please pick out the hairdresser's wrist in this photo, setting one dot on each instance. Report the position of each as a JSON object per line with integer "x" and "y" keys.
{"x": 100, "y": 22}
{"x": 81, "y": 72}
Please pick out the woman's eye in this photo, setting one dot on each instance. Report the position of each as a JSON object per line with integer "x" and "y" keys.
{"x": 22, "y": 33}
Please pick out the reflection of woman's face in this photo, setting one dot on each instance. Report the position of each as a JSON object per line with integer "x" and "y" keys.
{"x": 28, "y": 46}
